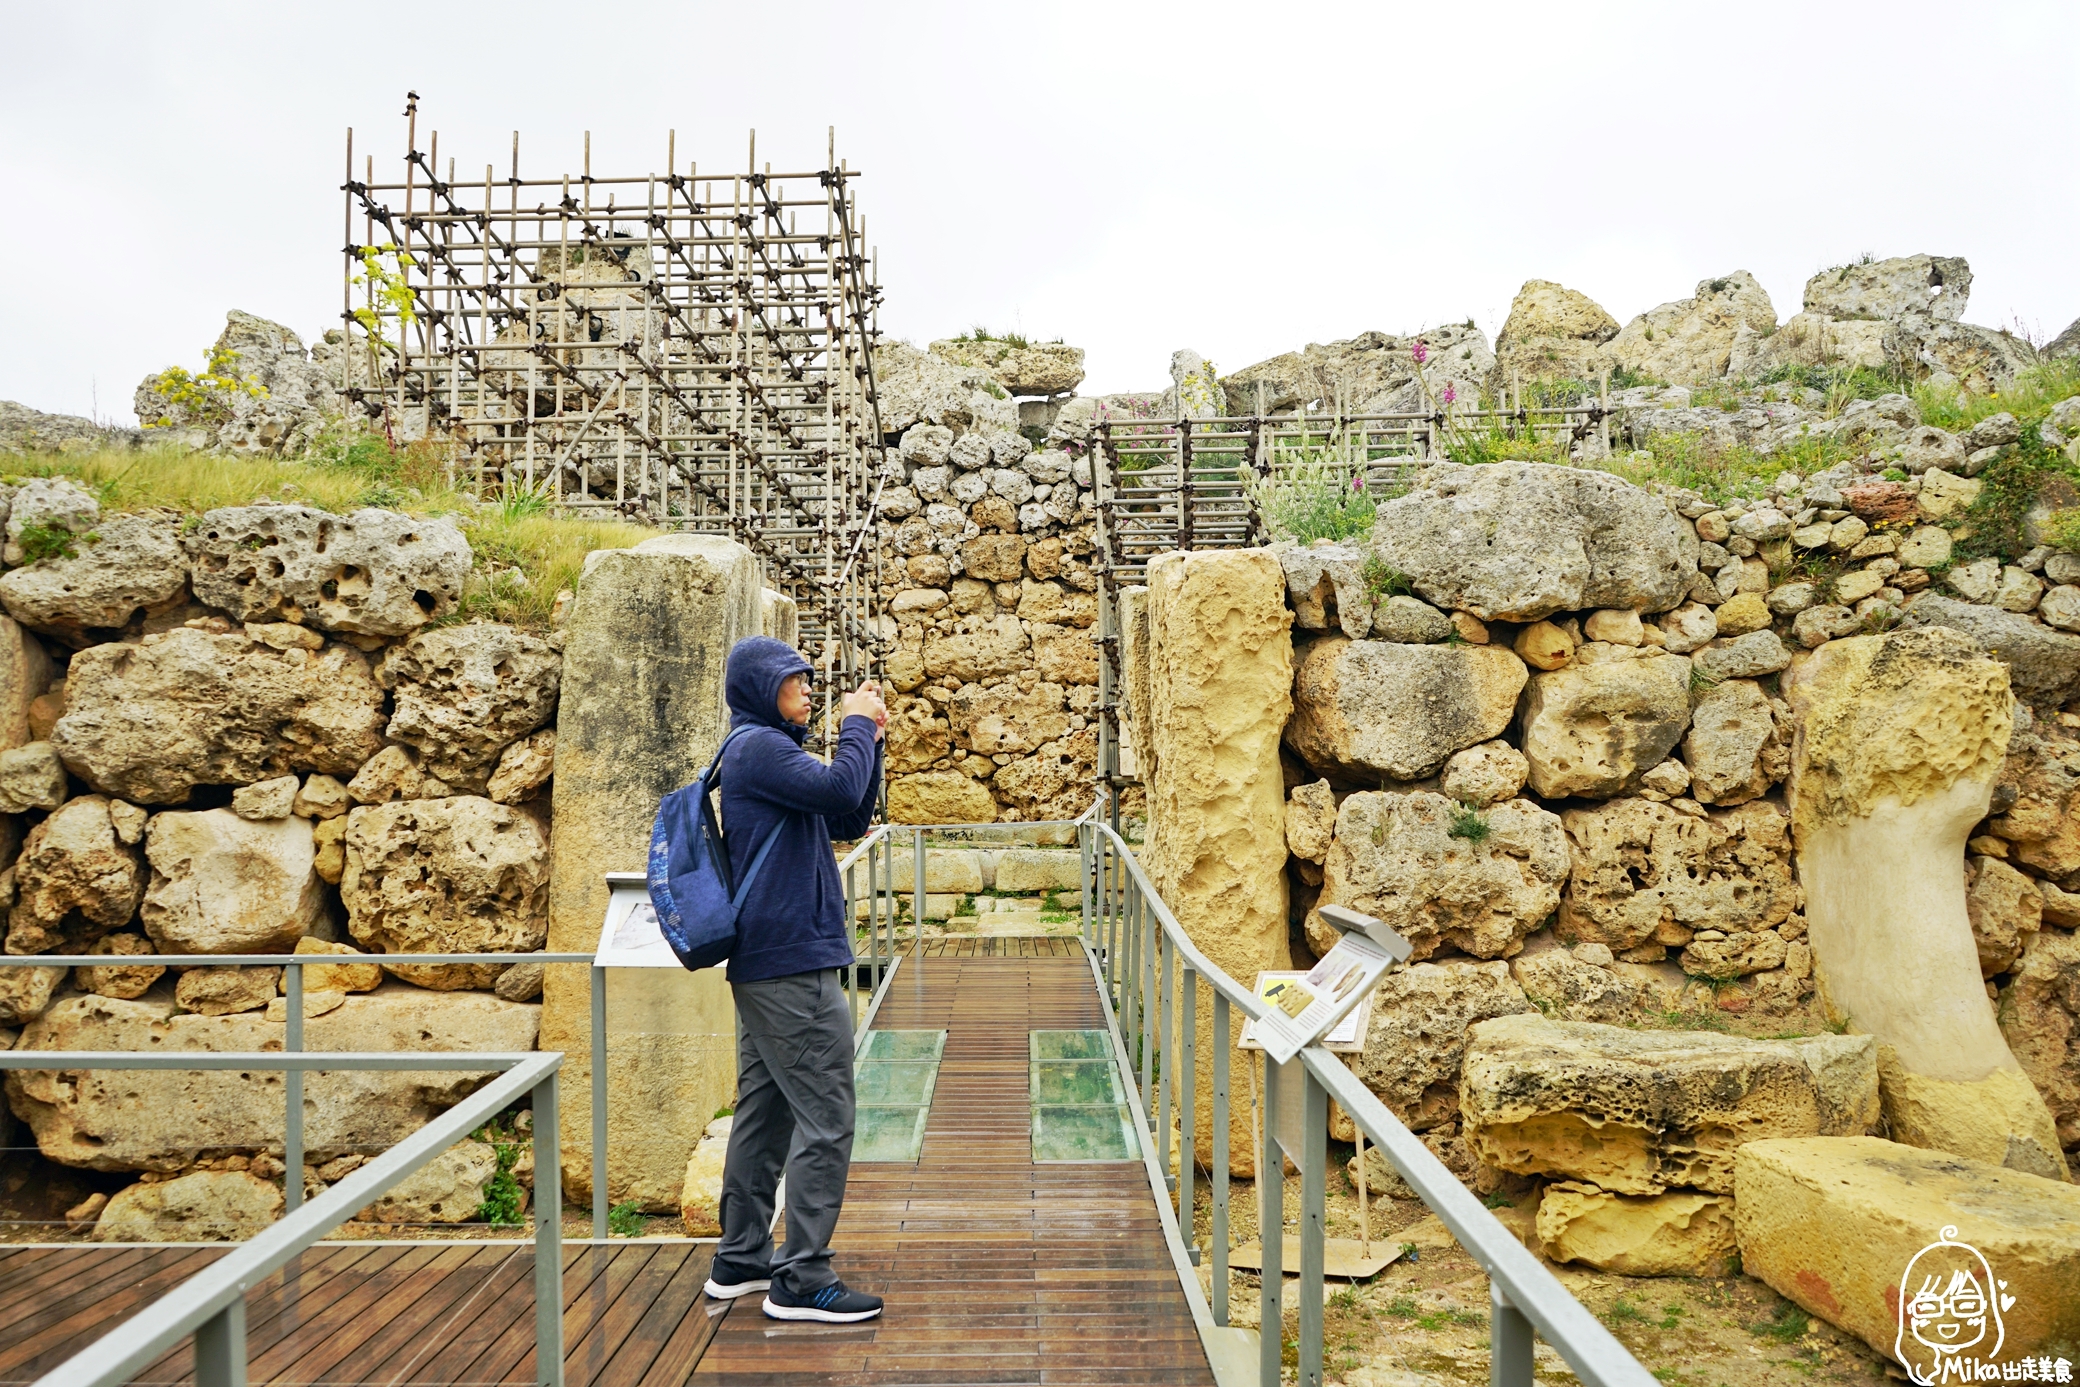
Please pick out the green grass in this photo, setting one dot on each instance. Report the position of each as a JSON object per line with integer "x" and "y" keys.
{"x": 1470, "y": 824}
{"x": 625, "y": 1220}
{"x": 40, "y": 542}
{"x": 1315, "y": 499}
{"x": 1787, "y": 1324}
{"x": 2028, "y": 397}
{"x": 1383, "y": 580}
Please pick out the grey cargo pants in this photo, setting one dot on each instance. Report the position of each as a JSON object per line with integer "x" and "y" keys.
{"x": 794, "y": 1107}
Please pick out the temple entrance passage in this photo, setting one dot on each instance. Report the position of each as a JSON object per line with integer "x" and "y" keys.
{"x": 1000, "y": 1264}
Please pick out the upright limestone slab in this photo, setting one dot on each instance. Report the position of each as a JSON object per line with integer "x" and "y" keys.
{"x": 1899, "y": 739}
{"x": 1220, "y": 678}
{"x": 642, "y": 710}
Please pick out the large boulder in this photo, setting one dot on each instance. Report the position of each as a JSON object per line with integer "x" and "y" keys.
{"x": 1422, "y": 1017}
{"x": 447, "y": 1189}
{"x": 205, "y": 1206}
{"x": 127, "y": 567}
{"x": 1639, "y": 1112}
{"x": 2038, "y": 794}
{"x": 2043, "y": 664}
{"x": 1022, "y": 368}
{"x": 1594, "y": 729}
{"x": 1374, "y": 372}
{"x": 1553, "y": 331}
{"x": 149, "y": 722}
{"x": 1581, "y": 985}
{"x": 1443, "y": 874}
{"x": 372, "y": 573}
{"x": 1008, "y": 717}
{"x": 1326, "y": 588}
{"x": 2040, "y": 1016}
{"x": 1681, "y": 1233}
{"x": 74, "y": 882}
{"x": 162, "y": 1120}
{"x": 1842, "y": 1225}
{"x": 1518, "y": 541}
{"x": 222, "y": 884}
{"x": 1646, "y": 873}
{"x": 455, "y": 875}
{"x": 984, "y": 647}
{"x": 260, "y": 393}
{"x": 1903, "y": 289}
{"x": 1380, "y": 709}
{"x": 1052, "y": 783}
{"x": 461, "y": 694}
{"x": 1736, "y": 747}
{"x": 1691, "y": 340}
{"x": 921, "y": 386}
{"x": 940, "y": 797}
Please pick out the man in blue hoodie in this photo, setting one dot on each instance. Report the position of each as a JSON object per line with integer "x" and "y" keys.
{"x": 794, "y": 1041}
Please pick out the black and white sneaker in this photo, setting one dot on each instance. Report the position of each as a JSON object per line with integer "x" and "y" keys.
{"x": 833, "y": 1304}
{"x": 727, "y": 1281}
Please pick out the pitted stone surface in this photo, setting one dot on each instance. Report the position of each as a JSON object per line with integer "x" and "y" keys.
{"x": 372, "y": 573}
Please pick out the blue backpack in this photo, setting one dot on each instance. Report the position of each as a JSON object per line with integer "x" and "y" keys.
{"x": 689, "y": 872}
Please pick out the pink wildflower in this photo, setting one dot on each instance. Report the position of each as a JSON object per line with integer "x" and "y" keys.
{"x": 1451, "y": 392}
{"x": 1420, "y": 351}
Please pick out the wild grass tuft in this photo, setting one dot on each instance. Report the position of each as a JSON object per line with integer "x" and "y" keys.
{"x": 1468, "y": 823}
{"x": 1315, "y": 500}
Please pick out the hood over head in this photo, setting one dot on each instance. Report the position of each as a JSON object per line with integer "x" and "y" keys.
{"x": 758, "y": 665}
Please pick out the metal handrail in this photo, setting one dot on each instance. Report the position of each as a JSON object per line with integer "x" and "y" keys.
{"x": 211, "y": 1304}
{"x": 1136, "y": 947}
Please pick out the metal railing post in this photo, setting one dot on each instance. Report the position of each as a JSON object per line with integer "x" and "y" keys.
{"x": 1314, "y": 1180}
{"x": 548, "y": 1237}
{"x": 1219, "y": 1233}
{"x": 599, "y": 1103}
{"x": 1509, "y": 1342}
{"x": 917, "y": 906}
{"x": 292, "y": 1097}
{"x": 1166, "y": 1051}
{"x": 852, "y": 939}
{"x": 220, "y": 1347}
{"x": 1271, "y": 1237}
{"x": 1086, "y": 839}
{"x": 1145, "y": 981}
{"x": 1187, "y": 1092}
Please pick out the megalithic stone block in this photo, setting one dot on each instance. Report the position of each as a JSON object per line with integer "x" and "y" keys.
{"x": 641, "y": 712}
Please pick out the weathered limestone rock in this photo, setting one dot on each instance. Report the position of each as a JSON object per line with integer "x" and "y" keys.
{"x": 207, "y": 1206}
{"x": 1398, "y": 710}
{"x": 2043, "y": 664}
{"x": 1836, "y": 1224}
{"x": 149, "y": 722}
{"x": 1899, "y": 741}
{"x": 128, "y": 566}
{"x": 461, "y": 693}
{"x": 1688, "y": 627}
{"x": 226, "y": 885}
{"x": 1310, "y": 820}
{"x": 2040, "y": 1016}
{"x": 640, "y": 713}
{"x": 270, "y": 799}
{"x": 2040, "y": 786}
{"x": 223, "y": 991}
{"x": 456, "y": 875}
{"x": 700, "y": 1198}
{"x": 372, "y": 573}
{"x": 1422, "y": 1018}
{"x": 939, "y": 797}
{"x": 1646, "y": 873}
{"x": 523, "y": 768}
{"x": 1564, "y": 985}
{"x": 1735, "y": 956}
{"x": 72, "y": 862}
{"x": 336, "y": 977}
{"x": 1519, "y": 540}
{"x": 1004, "y": 717}
{"x": 124, "y": 980}
{"x": 1408, "y": 621}
{"x": 520, "y": 983}
{"x": 162, "y": 1119}
{"x": 1398, "y": 857}
{"x": 1691, "y": 340}
{"x": 1220, "y": 669}
{"x": 25, "y": 676}
{"x": 1029, "y": 870}
{"x": 392, "y": 773}
{"x": 1553, "y": 332}
{"x": 1040, "y": 368}
{"x": 1681, "y": 1233}
{"x": 778, "y": 616}
{"x": 31, "y": 777}
{"x": 1735, "y": 749}
{"x": 991, "y": 646}
{"x": 1326, "y": 586}
{"x": 1485, "y": 774}
{"x": 1639, "y": 1112}
{"x": 1542, "y": 645}
{"x": 447, "y": 1189}
{"x": 25, "y": 993}
{"x": 1593, "y": 729}
{"x": 322, "y": 797}
{"x": 2005, "y": 910}
{"x": 1933, "y": 287}
{"x": 53, "y": 504}
{"x": 1373, "y": 371}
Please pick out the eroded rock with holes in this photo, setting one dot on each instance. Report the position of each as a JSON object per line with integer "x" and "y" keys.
{"x": 1422, "y": 1018}
{"x": 1735, "y": 748}
{"x": 1646, "y": 873}
{"x": 204, "y": 1206}
{"x": 127, "y": 567}
{"x": 2040, "y": 1015}
{"x": 74, "y": 882}
{"x": 372, "y": 573}
{"x": 1593, "y": 729}
{"x": 1640, "y": 1112}
{"x": 1398, "y": 710}
{"x": 462, "y": 693}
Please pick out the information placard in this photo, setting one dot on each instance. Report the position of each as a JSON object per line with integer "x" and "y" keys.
{"x": 630, "y": 937}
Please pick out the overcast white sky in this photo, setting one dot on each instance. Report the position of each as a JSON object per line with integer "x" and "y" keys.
{"x": 1240, "y": 179}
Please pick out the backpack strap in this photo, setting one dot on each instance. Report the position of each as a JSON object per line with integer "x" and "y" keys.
{"x": 708, "y": 775}
{"x": 758, "y": 859}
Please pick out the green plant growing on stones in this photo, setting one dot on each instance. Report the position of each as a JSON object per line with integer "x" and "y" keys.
{"x": 206, "y": 397}
{"x": 1315, "y": 499}
{"x": 1470, "y": 824}
{"x": 1787, "y": 1324}
{"x": 39, "y": 542}
{"x": 1993, "y": 525}
{"x": 503, "y": 1196}
{"x": 625, "y": 1220}
{"x": 1382, "y": 579}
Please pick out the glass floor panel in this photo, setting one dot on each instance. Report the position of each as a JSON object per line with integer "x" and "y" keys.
{"x": 1071, "y": 1045}
{"x": 904, "y": 1045}
{"x": 1076, "y": 1082}
{"x": 1084, "y": 1134}
{"x": 888, "y": 1134}
{"x": 895, "y": 1084}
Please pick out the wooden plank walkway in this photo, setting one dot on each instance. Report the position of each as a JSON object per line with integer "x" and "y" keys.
{"x": 996, "y": 1270}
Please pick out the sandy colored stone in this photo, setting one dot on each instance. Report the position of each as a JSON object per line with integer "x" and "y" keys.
{"x": 371, "y": 573}
{"x": 1542, "y": 645}
{"x": 1681, "y": 1233}
{"x": 1742, "y": 613}
{"x": 1735, "y": 749}
{"x": 1640, "y": 1112}
{"x": 460, "y": 694}
{"x": 640, "y": 712}
{"x": 335, "y": 977}
{"x": 1396, "y": 857}
{"x": 779, "y": 616}
{"x": 1615, "y": 625}
{"x": 1004, "y": 717}
{"x": 31, "y": 777}
{"x": 391, "y": 773}
{"x": 1688, "y": 627}
{"x": 161, "y": 1120}
{"x": 1900, "y": 739}
{"x": 521, "y": 983}
{"x": 329, "y": 843}
{"x": 1566, "y": 987}
{"x": 1834, "y": 1224}
{"x": 523, "y": 767}
{"x": 939, "y": 797}
{"x": 1422, "y": 1018}
{"x": 270, "y": 799}
{"x": 1485, "y": 774}
{"x": 1691, "y": 340}
{"x": 985, "y": 647}
{"x": 1220, "y": 691}
{"x": 124, "y": 980}
{"x": 1398, "y": 710}
{"x": 1592, "y": 729}
{"x": 2039, "y": 783}
{"x": 454, "y": 875}
{"x": 223, "y": 991}
{"x": 321, "y": 797}
{"x": 2005, "y": 910}
{"x": 1410, "y": 621}
{"x": 1026, "y": 871}
{"x": 127, "y": 567}
{"x": 206, "y": 1206}
{"x": 25, "y": 678}
{"x": 2043, "y": 664}
{"x": 1643, "y": 872}
{"x": 1736, "y": 956}
{"x": 149, "y": 722}
{"x": 700, "y": 1197}
{"x": 1553, "y": 332}
{"x": 26, "y": 993}
{"x": 1310, "y": 820}
{"x": 2040, "y": 1016}
{"x": 994, "y": 558}
{"x": 226, "y": 885}
{"x": 73, "y": 881}
{"x": 447, "y": 1189}
{"x": 1052, "y": 783}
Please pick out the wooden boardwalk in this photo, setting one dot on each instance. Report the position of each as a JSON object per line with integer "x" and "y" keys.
{"x": 997, "y": 1270}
